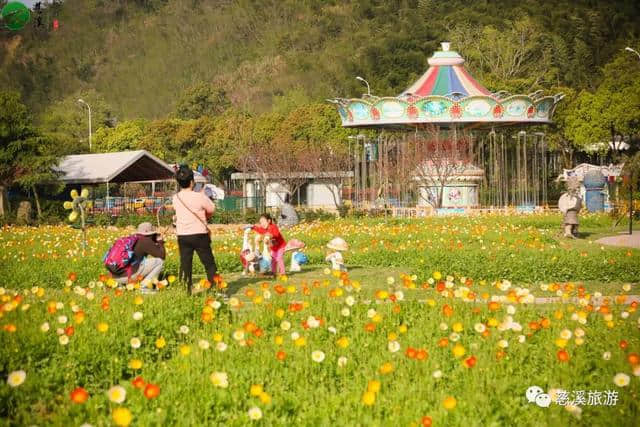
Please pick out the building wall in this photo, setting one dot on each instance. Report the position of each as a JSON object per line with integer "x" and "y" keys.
{"x": 275, "y": 194}
{"x": 320, "y": 195}
{"x": 454, "y": 195}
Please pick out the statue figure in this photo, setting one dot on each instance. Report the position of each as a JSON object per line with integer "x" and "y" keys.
{"x": 570, "y": 204}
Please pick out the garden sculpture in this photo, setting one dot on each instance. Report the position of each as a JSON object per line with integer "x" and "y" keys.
{"x": 570, "y": 204}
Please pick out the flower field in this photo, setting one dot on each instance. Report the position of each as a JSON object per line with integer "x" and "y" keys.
{"x": 435, "y": 324}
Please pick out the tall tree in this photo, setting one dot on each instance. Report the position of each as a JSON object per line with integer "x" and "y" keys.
{"x": 202, "y": 100}
{"x": 25, "y": 157}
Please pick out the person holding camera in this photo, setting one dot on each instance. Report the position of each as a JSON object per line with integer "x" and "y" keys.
{"x": 193, "y": 209}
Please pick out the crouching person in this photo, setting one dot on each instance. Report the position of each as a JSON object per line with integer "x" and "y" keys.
{"x": 140, "y": 255}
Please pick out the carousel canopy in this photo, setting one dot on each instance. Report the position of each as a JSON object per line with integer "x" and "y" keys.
{"x": 447, "y": 94}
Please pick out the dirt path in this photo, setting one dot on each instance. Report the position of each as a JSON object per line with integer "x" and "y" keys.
{"x": 624, "y": 240}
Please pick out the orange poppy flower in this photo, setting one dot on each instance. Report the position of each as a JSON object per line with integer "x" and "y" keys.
{"x": 494, "y": 305}
{"x": 534, "y": 326}
{"x": 51, "y": 307}
{"x": 443, "y": 342}
{"x": 426, "y": 421}
{"x": 370, "y": 327}
{"x": 281, "y": 355}
{"x": 633, "y": 358}
{"x": 421, "y": 354}
{"x": 79, "y": 395}
{"x": 249, "y": 326}
{"x": 447, "y": 310}
{"x": 563, "y": 356}
{"x": 624, "y": 344}
{"x": 138, "y": 382}
{"x": 411, "y": 353}
{"x": 151, "y": 391}
{"x": 73, "y": 276}
{"x": 500, "y": 354}
{"x": 69, "y": 331}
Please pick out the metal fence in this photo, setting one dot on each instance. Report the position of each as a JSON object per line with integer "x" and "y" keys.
{"x": 116, "y": 206}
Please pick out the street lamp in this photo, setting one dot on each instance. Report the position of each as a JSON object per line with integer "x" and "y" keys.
{"x": 365, "y": 82}
{"x": 82, "y": 101}
{"x": 631, "y": 175}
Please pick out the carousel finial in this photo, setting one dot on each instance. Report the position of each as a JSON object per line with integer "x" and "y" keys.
{"x": 445, "y": 46}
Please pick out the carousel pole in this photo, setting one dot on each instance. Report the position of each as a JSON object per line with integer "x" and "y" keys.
{"x": 518, "y": 171}
{"x": 505, "y": 172}
{"x": 544, "y": 172}
{"x": 363, "y": 173}
{"x": 526, "y": 169}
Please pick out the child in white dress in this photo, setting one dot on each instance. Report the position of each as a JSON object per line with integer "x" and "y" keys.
{"x": 336, "y": 246}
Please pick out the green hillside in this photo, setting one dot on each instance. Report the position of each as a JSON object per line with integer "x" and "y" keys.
{"x": 140, "y": 56}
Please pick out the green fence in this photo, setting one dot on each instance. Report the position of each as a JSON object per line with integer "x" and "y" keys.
{"x": 231, "y": 203}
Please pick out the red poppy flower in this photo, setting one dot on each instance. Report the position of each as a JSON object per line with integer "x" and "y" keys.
{"x": 470, "y": 361}
{"x": 79, "y": 395}
{"x": 624, "y": 344}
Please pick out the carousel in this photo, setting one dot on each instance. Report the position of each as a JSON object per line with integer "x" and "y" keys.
{"x": 414, "y": 145}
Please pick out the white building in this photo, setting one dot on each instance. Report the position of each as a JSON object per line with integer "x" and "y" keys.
{"x": 460, "y": 189}
{"x": 320, "y": 191}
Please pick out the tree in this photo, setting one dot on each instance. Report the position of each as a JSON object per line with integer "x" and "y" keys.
{"x": 437, "y": 159}
{"x": 25, "y": 157}
{"x": 614, "y": 104}
{"x": 202, "y": 100}
{"x": 67, "y": 121}
{"x": 125, "y": 136}
{"x": 328, "y": 164}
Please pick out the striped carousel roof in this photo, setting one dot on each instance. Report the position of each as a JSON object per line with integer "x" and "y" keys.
{"x": 446, "y": 76}
{"x": 447, "y": 94}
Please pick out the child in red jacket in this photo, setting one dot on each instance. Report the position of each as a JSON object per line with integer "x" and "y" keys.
{"x": 267, "y": 227}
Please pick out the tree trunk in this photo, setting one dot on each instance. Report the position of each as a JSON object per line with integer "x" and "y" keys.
{"x": 5, "y": 204}
{"x": 37, "y": 200}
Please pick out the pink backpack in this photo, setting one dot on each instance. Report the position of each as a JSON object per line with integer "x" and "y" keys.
{"x": 119, "y": 259}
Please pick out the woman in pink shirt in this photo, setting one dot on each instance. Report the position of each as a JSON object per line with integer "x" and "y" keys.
{"x": 192, "y": 211}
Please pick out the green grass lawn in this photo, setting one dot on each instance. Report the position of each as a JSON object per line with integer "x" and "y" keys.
{"x": 319, "y": 345}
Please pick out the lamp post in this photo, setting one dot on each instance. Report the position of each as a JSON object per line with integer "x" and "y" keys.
{"x": 82, "y": 101}
{"x": 365, "y": 82}
{"x": 628, "y": 49}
